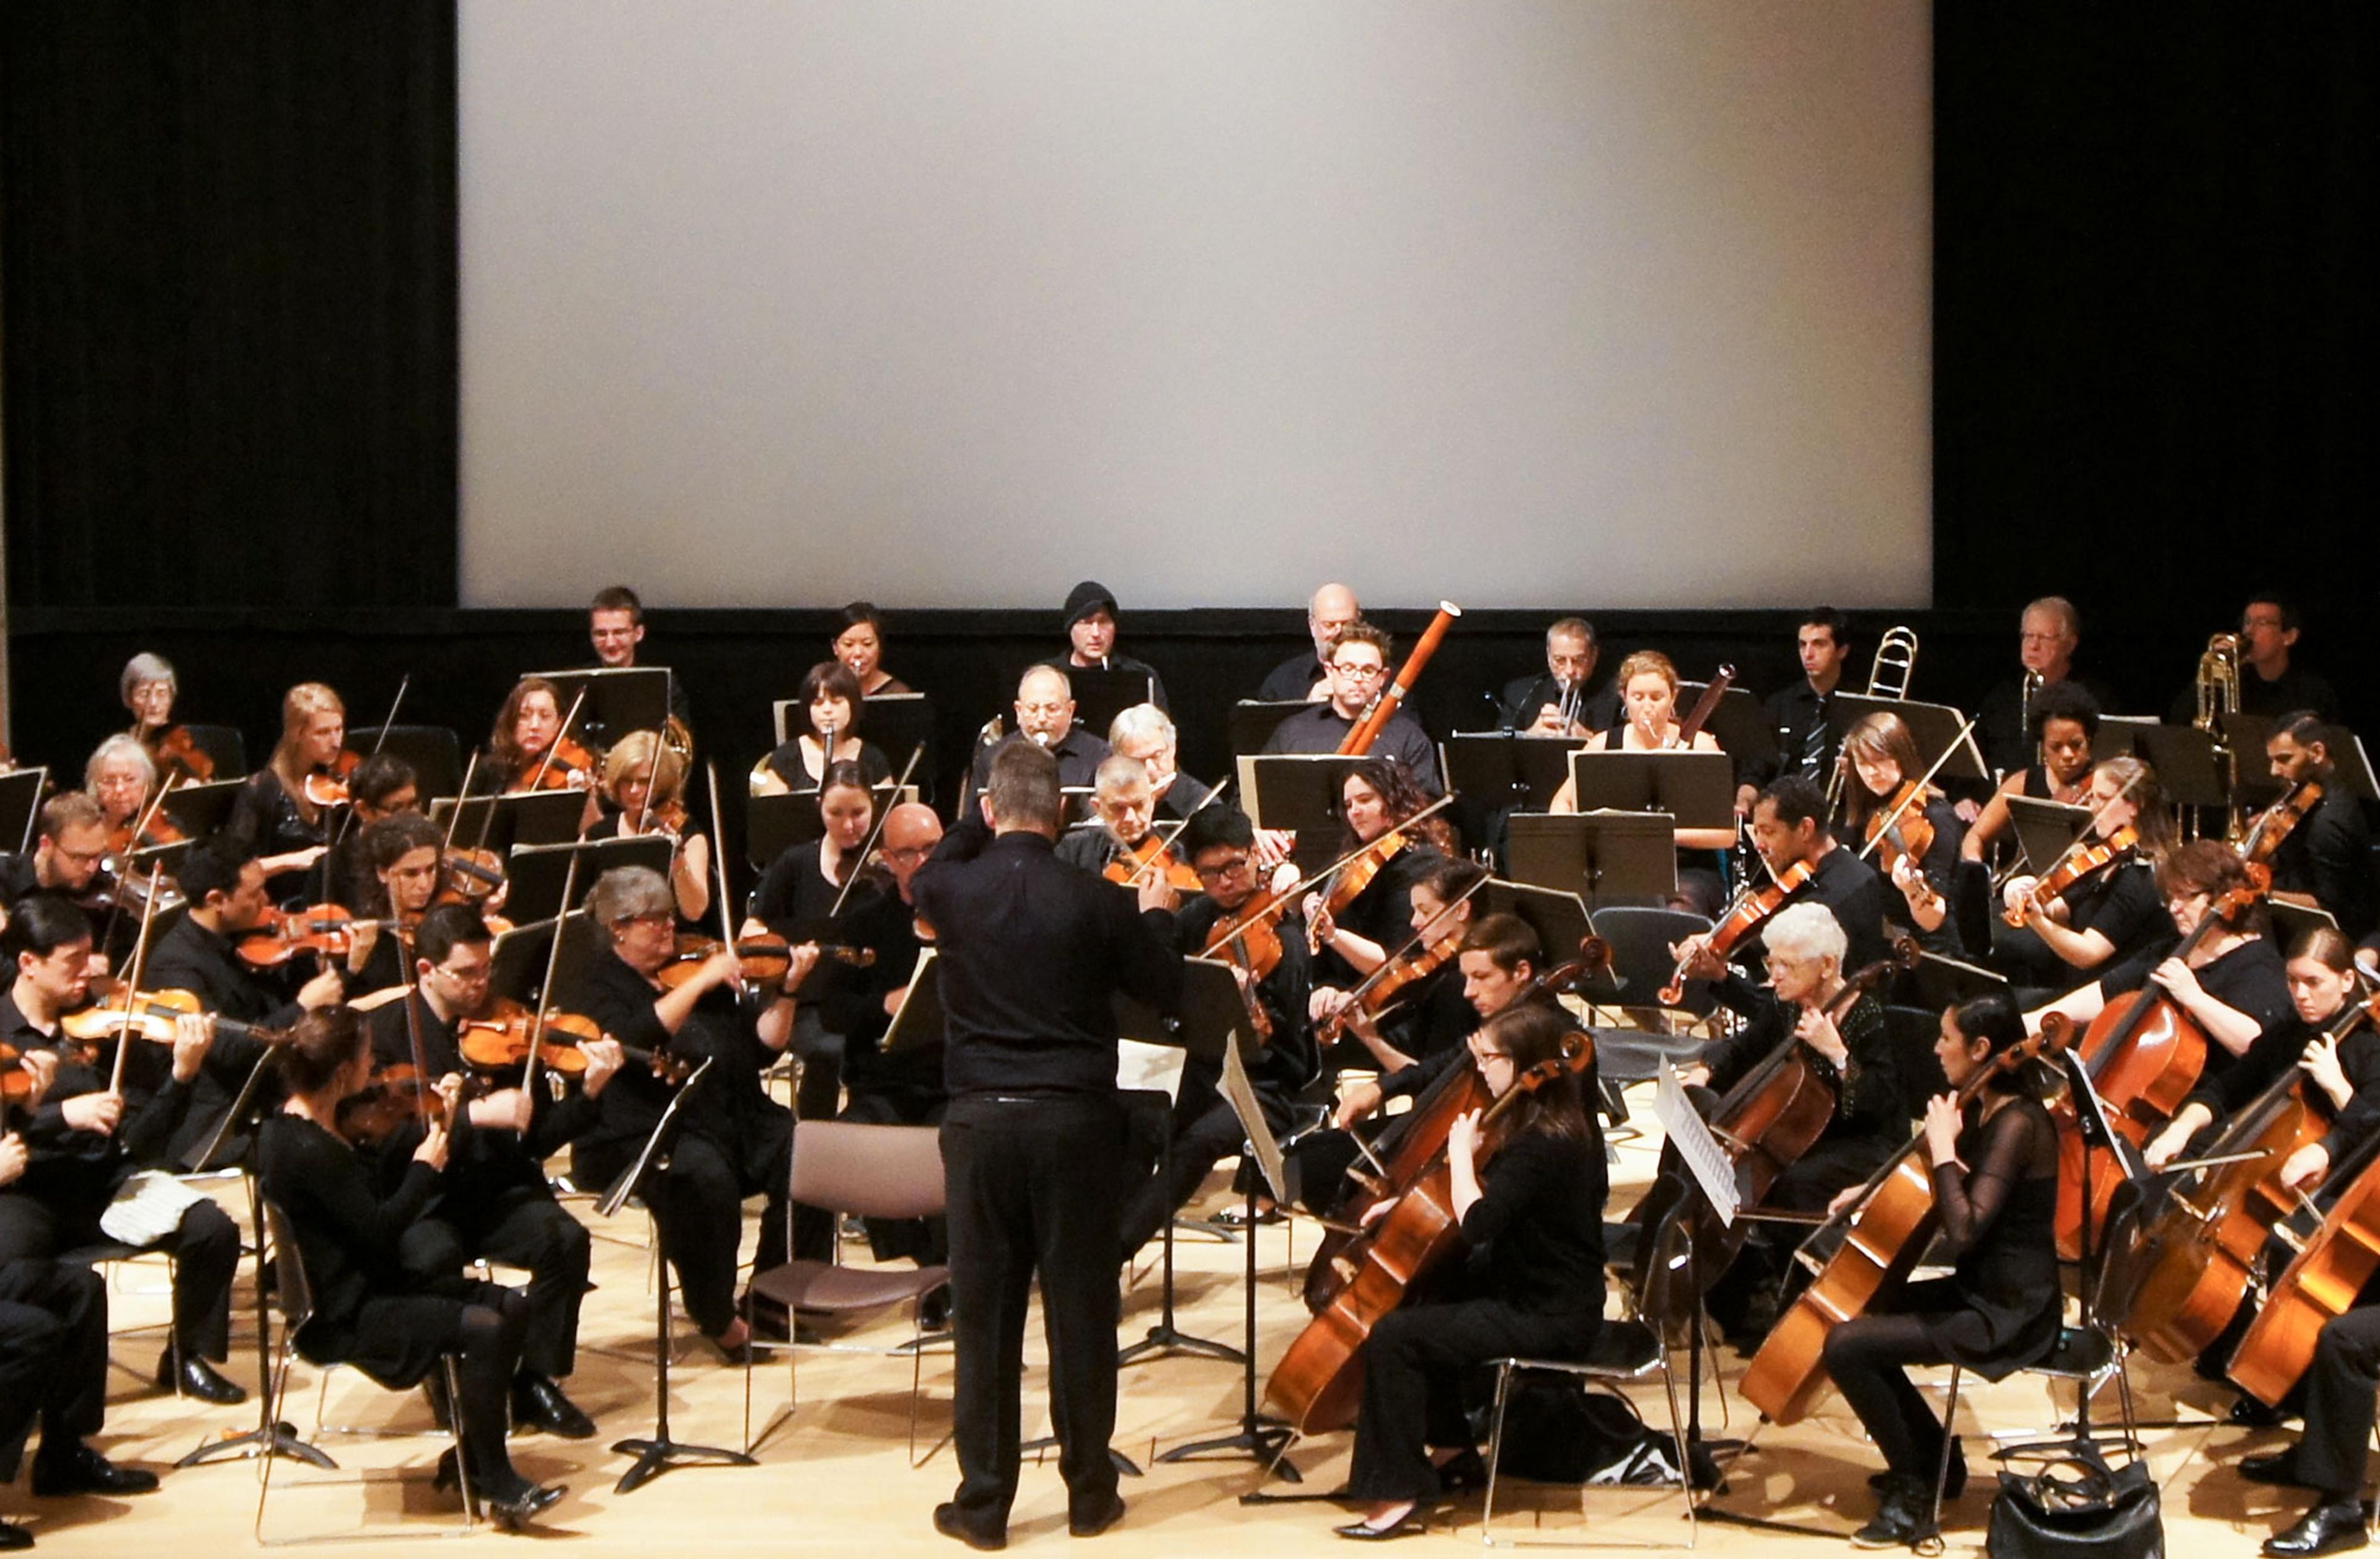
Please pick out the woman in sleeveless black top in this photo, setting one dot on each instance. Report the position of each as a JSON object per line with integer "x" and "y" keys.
{"x": 1995, "y": 1167}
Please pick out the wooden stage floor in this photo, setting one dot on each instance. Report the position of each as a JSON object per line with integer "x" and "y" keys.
{"x": 836, "y": 1479}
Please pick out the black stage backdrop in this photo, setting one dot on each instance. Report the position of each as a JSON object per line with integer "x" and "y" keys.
{"x": 229, "y": 255}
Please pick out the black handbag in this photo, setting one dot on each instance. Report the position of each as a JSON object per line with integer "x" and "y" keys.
{"x": 2101, "y": 1515}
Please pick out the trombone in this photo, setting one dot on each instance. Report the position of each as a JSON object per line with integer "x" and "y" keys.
{"x": 1896, "y": 662}
{"x": 2218, "y": 695}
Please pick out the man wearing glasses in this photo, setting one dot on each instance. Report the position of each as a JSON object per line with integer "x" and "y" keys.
{"x": 1220, "y": 843}
{"x": 2047, "y": 635}
{"x": 1358, "y": 673}
{"x": 496, "y": 1202}
{"x": 1045, "y": 716}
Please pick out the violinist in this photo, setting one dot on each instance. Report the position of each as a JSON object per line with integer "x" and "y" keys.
{"x": 1559, "y": 702}
{"x": 1089, "y": 624}
{"x": 2325, "y": 860}
{"x": 1431, "y": 1016}
{"x": 122, "y": 778}
{"x": 528, "y": 747}
{"x": 615, "y": 627}
{"x": 1221, "y": 845}
{"x": 404, "y": 853}
{"x": 2113, "y": 917}
{"x": 830, "y": 703}
{"x": 1123, "y": 805}
{"x": 273, "y": 819}
{"x": 1045, "y": 718}
{"x": 370, "y": 1311}
{"x": 644, "y": 782}
{"x": 1146, "y": 732}
{"x": 796, "y": 899}
{"x": 495, "y": 1202}
{"x": 1788, "y": 829}
{"x": 54, "y": 1367}
{"x": 1882, "y": 758}
{"x": 1805, "y": 738}
{"x": 1854, "y": 1050}
{"x": 2232, "y": 983}
{"x": 734, "y": 1140}
{"x": 149, "y": 687}
{"x": 1305, "y": 676}
{"x": 1358, "y": 673}
{"x": 72, "y": 847}
{"x": 382, "y": 787}
{"x": 226, "y": 891}
{"x": 2064, "y": 723}
{"x": 1367, "y": 908}
{"x": 1532, "y": 1216}
{"x": 890, "y": 1088}
{"x": 1995, "y": 1174}
{"x": 2049, "y": 632}
{"x": 86, "y": 1143}
{"x": 860, "y": 644}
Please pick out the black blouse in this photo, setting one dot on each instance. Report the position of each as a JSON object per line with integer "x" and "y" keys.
{"x": 1539, "y": 1216}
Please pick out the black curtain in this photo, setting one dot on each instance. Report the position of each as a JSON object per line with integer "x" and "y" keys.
{"x": 2155, "y": 318}
{"x": 229, "y": 252}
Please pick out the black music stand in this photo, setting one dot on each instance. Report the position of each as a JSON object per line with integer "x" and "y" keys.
{"x": 1695, "y": 788}
{"x": 1102, "y": 693}
{"x": 433, "y": 752}
{"x": 527, "y": 817}
{"x": 1739, "y": 724}
{"x": 1252, "y": 720}
{"x": 2248, "y": 734}
{"x": 2354, "y": 765}
{"x": 200, "y": 811}
{"x": 2045, "y": 829}
{"x": 538, "y": 871}
{"x": 21, "y": 803}
{"x": 2183, "y": 756}
{"x": 1557, "y": 915}
{"x": 518, "y": 963}
{"x": 1944, "y": 982}
{"x": 1506, "y": 768}
{"x": 1297, "y": 792}
{"x": 618, "y": 700}
{"x": 2119, "y": 736}
{"x": 1934, "y": 726}
{"x": 773, "y": 824}
{"x": 1602, "y": 857}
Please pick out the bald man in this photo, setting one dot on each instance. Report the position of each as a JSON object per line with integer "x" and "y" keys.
{"x": 901, "y": 1086}
{"x": 1302, "y": 675}
{"x": 1044, "y": 714}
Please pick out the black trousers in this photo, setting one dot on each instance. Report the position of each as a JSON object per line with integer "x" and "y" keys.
{"x": 821, "y": 1088}
{"x": 1413, "y": 1365}
{"x": 698, "y": 1200}
{"x": 206, "y": 1254}
{"x": 53, "y": 1355}
{"x": 484, "y": 1324}
{"x": 2339, "y": 1388}
{"x": 1034, "y": 1186}
{"x": 1205, "y": 1130}
{"x": 521, "y": 1226}
{"x": 1868, "y": 1358}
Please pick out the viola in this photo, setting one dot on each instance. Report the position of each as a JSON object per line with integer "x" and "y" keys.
{"x": 1319, "y": 1380}
{"x": 396, "y": 1096}
{"x": 1899, "y": 831}
{"x": 2275, "y": 823}
{"x": 2070, "y": 868}
{"x": 1751, "y": 907}
{"x": 1152, "y": 856}
{"x": 1250, "y": 938}
{"x": 499, "y": 1041}
{"x": 328, "y": 930}
{"x": 1886, "y": 1230}
{"x": 568, "y": 765}
{"x": 175, "y": 752}
{"x": 149, "y": 1014}
{"x": 1389, "y": 984}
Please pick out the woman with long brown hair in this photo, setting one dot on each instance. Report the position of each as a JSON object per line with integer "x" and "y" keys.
{"x": 272, "y": 818}
{"x": 1879, "y": 760}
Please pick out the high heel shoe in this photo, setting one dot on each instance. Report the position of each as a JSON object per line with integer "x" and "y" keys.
{"x": 510, "y": 1503}
{"x": 1409, "y": 1525}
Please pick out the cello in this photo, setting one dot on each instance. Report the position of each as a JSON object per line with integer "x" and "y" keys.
{"x": 1886, "y": 1231}
{"x": 2337, "y": 1253}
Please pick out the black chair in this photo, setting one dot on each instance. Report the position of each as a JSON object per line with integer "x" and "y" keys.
{"x": 225, "y": 746}
{"x": 1971, "y": 907}
{"x": 1640, "y": 940}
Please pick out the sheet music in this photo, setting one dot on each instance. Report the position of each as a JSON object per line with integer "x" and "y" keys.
{"x": 1242, "y": 1095}
{"x": 1691, "y": 1135}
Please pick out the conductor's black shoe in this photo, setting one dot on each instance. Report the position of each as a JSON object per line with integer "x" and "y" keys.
{"x": 953, "y": 1522}
{"x": 1090, "y": 1524}
{"x": 1954, "y": 1482}
{"x": 81, "y": 1470}
{"x": 539, "y": 1404}
{"x": 2326, "y": 1528}
{"x": 13, "y": 1536}
{"x": 2279, "y": 1469}
{"x": 195, "y": 1377}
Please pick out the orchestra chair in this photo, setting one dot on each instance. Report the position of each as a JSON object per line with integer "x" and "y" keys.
{"x": 225, "y": 746}
{"x": 116, "y": 1254}
{"x": 1640, "y": 938}
{"x": 1625, "y": 1353}
{"x": 870, "y": 1171}
{"x": 295, "y": 1300}
{"x": 2087, "y": 1355}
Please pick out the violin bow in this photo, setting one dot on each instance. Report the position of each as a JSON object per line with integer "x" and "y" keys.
{"x": 867, "y": 847}
{"x": 545, "y": 986}
{"x": 538, "y": 774}
{"x": 2082, "y": 840}
{"x": 414, "y": 1046}
{"x": 132, "y": 982}
{"x": 139, "y": 825}
{"x": 1307, "y": 884}
{"x": 1166, "y": 843}
{"x": 455, "y": 818}
{"x": 719, "y": 857}
{"x": 1919, "y": 789}
{"x": 380, "y": 740}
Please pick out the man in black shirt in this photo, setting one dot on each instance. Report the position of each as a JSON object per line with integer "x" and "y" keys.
{"x": 1805, "y": 743}
{"x": 1090, "y": 628}
{"x": 2047, "y": 635}
{"x": 1331, "y": 609}
{"x": 87, "y": 1139}
{"x": 2326, "y": 859}
{"x": 496, "y": 1201}
{"x": 1045, "y": 718}
{"x": 73, "y": 842}
{"x": 1358, "y": 672}
{"x": 615, "y": 627}
{"x": 226, "y": 891}
{"x": 1788, "y": 829}
{"x": 1125, "y": 807}
{"x": 1565, "y": 701}
{"x": 1032, "y": 955}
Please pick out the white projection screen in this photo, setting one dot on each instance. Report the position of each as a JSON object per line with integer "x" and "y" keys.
{"x": 947, "y": 303}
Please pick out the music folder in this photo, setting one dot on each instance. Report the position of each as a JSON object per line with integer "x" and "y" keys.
{"x": 524, "y": 816}
{"x": 2183, "y": 756}
{"x": 1298, "y": 793}
{"x": 1252, "y": 720}
{"x": 1696, "y": 788}
{"x": 1506, "y": 769}
{"x": 1933, "y": 726}
{"x": 2044, "y": 829}
{"x": 618, "y": 700}
{"x": 1101, "y": 694}
{"x": 537, "y": 872}
{"x": 1603, "y": 857}
{"x": 1557, "y": 915}
{"x": 200, "y": 810}
{"x": 1209, "y": 1012}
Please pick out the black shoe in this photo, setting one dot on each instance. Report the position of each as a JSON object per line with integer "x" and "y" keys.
{"x": 1467, "y": 1473}
{"x": 934, "y": 1310}
{"x": 2281, "y": 1469}
{"x": 84, "y": 1471}
{"x": 195, "y": 1377}
{"x": 953, "y": 1522}
{"x": 539, "y": 1404}
{"x": 1098, "y": 1521}
{"x": 1903, "y": 1516}
{"x": 510, "y": 1504}
{"x": 1238, "y": 1218}
{"x": 1953, "y": 1484}
{"x": 2249, "y": 1413}
{"x": 13, "y": 1536}
{"x": 1409, "y": 1525}
{"x": 2326, "y": 1528}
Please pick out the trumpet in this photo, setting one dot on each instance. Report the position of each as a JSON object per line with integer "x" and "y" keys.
{"x": 2218, "y": 695}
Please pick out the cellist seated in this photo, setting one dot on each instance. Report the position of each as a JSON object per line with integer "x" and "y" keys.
{"x": 1532, "y": 1215}
{"x": 1853, "y": 1049}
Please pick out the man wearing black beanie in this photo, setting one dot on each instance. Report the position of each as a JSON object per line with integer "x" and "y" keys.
{"x": 1090, "y": 625}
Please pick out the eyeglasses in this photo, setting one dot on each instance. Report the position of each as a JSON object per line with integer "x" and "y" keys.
{"x": 476, "y": 974}
{"x": 656, "y": 918}
{"x": 907, "y": 852}
{"x": 1358, "y": 673}
{"x": 1222, "y": 869}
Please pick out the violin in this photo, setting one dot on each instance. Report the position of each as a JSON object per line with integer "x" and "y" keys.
{"x": 1355, "y": 874}
{"x": 2071, "y": 868}
{"x": 15, "y": 1081}
{"x": 328, "y": 930}
{"x": 149, "y": 1014}
{"x": 396, "y": 1096}
{"x": 1390, "y": 983}
{"x": 2275, "y": 823}
{"x": 1899, "y": 831}
{"x": 501, "y": 1041}
{"x": 327, "y": 787}
{"x": 1152, "y": 855}
{"x": 469, "y": 876}
{"x": 1751, "y": 907}
{"x": 175, "y": 752}
{"x": 766, "y": 958}
{"x": 569, "y": 765}
{"x": 135, "y": 834}
{"x": 128, "y": 892}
